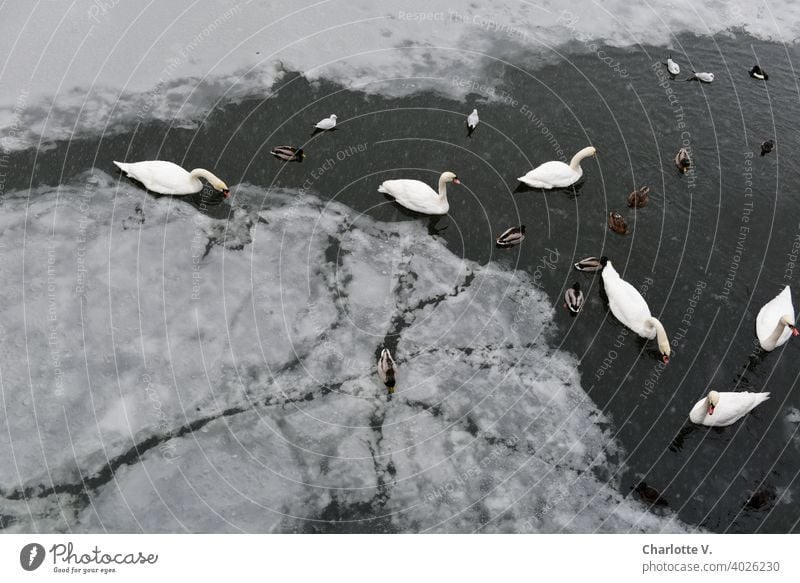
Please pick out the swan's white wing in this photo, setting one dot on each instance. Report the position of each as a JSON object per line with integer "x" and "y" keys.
{"x": 162, "y": 177}
{"x": 731, "y": 408}
{"x": 416, "y": 195}
{"x": 698, "y": 412}
{"x": 554, "y": 173}
{"x": 409, "y": 189}
{"x": 769, "y": 316}
{"x": 473, "y": 119}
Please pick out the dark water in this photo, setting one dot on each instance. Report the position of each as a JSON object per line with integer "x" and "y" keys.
{"x": 705, "y": 276}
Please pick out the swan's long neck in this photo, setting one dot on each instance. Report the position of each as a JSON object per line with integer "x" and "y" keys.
{"x": 203, "y": 173}
{"x": 575, "y": 163}
{"x": 776, "y": 333}
{"x": 442, "y": 189}
{"x": 661, "y": 335}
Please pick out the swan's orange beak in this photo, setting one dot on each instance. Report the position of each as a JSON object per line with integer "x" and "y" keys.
{"x": 226, "y": 193}
{"x": 665, "y": 359}
{"x": 456, "y": 181}
{"x": 710, "y": 409}
{"x": 795, "y": 331}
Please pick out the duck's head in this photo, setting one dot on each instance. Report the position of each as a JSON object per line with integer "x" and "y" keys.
{"x": 711, "y": 402}
{"x": 450, "y": 177}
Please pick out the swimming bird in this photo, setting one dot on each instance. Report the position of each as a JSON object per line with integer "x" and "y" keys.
{"x": 638, "y": 198}
{"x": 573, "y": 298}
{"x": 721, "y": 409}
{"x": 418, "y": 196}
{"x": 775, "y": 321}
{"x": 673, "y": 67}
{"x": 758, "y": 73}
{"x": 472, "y": 122}
{"x": 387, "y": 370}
{"x": 630, "y": 308}
{"x": 650, "y": 495}
{"x": 682, "y": 160}
{"x": 767, "y": 146}
{"x": 616, "y": 222}
{"x": 760, "y": 499}
{"x": 168, "y": 178}
{"x": 557, "y": 174}
{"x": 511, "y": 236}
{"x": 325, "y": 125}
{"x": 589, "y": 264}
{"x": 704, "y": 77}
{"x": 288, "y": 153}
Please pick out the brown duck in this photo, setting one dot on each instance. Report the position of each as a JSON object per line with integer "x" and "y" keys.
{"x": 639, "y": 197}
{"x": 616, "y": 222}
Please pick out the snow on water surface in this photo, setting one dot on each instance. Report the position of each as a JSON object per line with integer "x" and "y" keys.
{"x": 90, "y": 66}
{"x": 171, "y": 371}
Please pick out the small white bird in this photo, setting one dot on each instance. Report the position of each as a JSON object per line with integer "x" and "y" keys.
{"x": 472, "y": 122}
{"x": 673, "y": 67}
{"x": 326, "y": 124}
{"x": 704, "y": 77}
{"x": 721, "y": 409}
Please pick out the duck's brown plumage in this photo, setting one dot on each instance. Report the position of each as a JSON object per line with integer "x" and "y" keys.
{"x": 616, "y": 222}
{"x": 589, "y": 264}
{"x": 683, "y": 161}
{"x": 639, "y": 197}
{"x": 288, "y": 153}
{"x": 512, "y": 236}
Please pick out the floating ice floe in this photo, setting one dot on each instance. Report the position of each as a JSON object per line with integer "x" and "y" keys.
{"x": 175, "y": 372}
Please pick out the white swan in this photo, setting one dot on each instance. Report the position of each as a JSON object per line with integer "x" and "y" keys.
{"x": 418, "y": 196}
{"x": 556, "y": 174}
{"x": 775, "y": 321}
{"x": 721, "y": 409}
{"x": 630, "y": 308}
{"x": 169, "y": 178}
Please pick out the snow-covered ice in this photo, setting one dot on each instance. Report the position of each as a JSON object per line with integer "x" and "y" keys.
{"x": 163, "y": 370}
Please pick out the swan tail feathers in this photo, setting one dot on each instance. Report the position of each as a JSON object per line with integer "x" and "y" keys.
{"x": 122, "y": 166}
{"x": 534, "y": 183}
{"x": 382, "y": 189}
{"x": 761, "y": 397}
